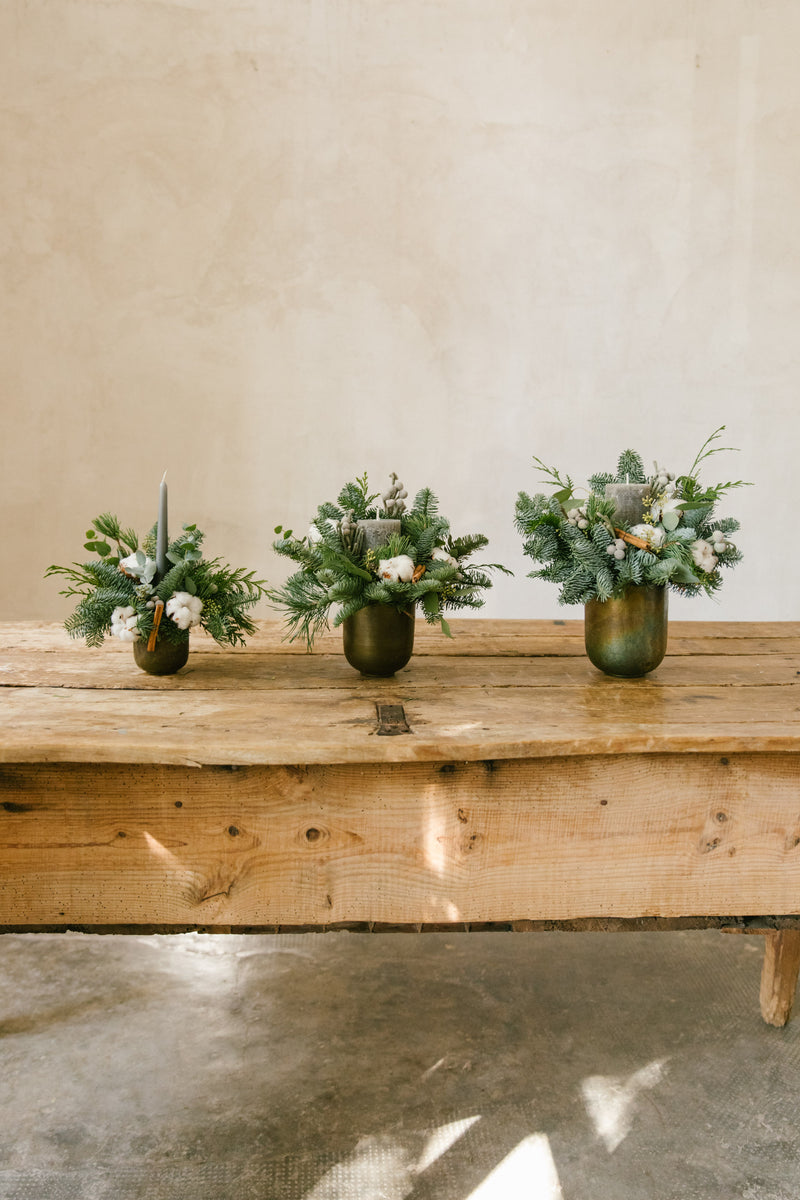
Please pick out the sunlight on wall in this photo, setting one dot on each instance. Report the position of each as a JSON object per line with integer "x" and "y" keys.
{"x": 527, "y": 1173}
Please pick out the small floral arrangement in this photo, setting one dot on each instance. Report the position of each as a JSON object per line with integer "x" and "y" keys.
{"x": 630, "y": 530}
{"x": 357, "y": 553}
{"x": 123, "y": 594}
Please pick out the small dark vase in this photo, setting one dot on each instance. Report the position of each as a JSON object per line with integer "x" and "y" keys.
{"x": 627, "y": 637}
{"x": 166, "y": 659}
{"x": 378, "y": 639}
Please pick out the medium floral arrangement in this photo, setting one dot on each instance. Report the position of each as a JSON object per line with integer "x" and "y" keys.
{"x": 357, "y": 553}
{"x": 123, "y": 593}
{"x": 630, "y": 530}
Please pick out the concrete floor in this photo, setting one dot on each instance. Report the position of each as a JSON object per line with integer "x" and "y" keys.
{"x": 483, "y": 1066}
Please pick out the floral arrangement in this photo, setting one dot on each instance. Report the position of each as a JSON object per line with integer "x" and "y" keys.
{"x": 593, "y": 554}
{"x": 418, "y": 562}
{"x": 123, "y": 593}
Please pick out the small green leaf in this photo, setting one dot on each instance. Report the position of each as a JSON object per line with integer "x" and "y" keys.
{"x": 278, "y": 529}
{"x": 103, "y": 549}
{"x": 173, "y": 557}
{"x": 430, "y": 602}
{"x": 190, "y": 585}
{"x": 562, "y": 497}
{"x": 670, "y": 521}
{"x": 445, "y": 628}
{"x": 90, "y": 534}
{"x": 190, "y": 528}
{"x": 684, "y": 574}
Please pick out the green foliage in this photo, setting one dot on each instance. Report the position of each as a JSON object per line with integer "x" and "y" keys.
{"x": 630, "y": 468}
{"x": 227, "y": 593}
{"x": 680, "y": 527}
{"x": 334, "y": 580}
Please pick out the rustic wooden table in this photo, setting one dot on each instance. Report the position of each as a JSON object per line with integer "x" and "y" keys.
{"x": 499, "y": 781}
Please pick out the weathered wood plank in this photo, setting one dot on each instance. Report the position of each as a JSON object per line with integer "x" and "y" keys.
{"x": 779, "y": 975}
{"x": 257, "y": 672}
{"x": 471, "y": 637}
{"x": 620, "y": 836}
{"x": 339, "y": 726}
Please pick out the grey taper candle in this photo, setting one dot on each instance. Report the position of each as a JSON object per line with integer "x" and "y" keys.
{"x": 162, "y": 535}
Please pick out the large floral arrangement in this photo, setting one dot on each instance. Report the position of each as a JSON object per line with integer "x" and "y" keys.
{"x": 591, "y": 554}
{"x": 123, "y": 594}
{"x": 420, "y": 562}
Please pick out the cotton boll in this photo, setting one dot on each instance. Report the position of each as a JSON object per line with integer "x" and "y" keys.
{"x": 652, "y": 534}
{"x": 399, "y": 569}
{"x": 184, "y": 609}
{"x": 439, "y": 554}
{"x": 138, "y": 566}
{"x": 123, "y": 623}
{"x": 703, "y": 555}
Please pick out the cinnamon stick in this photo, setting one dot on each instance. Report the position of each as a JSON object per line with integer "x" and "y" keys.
{"x": 157, "y": 615}
{"x": 632, "y": 539}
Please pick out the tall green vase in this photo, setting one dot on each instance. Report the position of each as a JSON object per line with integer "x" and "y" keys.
{"x": 378, "y": 639}
{"x": 627, "y": 637}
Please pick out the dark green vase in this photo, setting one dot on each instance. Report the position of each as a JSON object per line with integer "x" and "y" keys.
{"x": 378, "y": 639}
{"x": 166, "y": 659}
{"x": 627, "y": 637}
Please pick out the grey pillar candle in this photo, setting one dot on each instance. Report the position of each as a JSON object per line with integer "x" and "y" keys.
{"x": 378, "y": 532}
{"x": 162, "y": 537}
{"x": 628, "y": 501}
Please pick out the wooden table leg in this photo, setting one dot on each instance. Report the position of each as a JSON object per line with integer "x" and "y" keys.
{"x": 779, "y": 975}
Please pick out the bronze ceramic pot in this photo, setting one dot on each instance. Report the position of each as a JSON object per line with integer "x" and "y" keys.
{"x": 378, "y": 639}
{"x": 166, "y": 659}
{"x": 627, "y": 637}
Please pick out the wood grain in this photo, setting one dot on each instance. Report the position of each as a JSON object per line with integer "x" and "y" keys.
{"x": 615, "y": 836}
{"x": 339, "y": 726}
{"x": 779, "y": 975}
{"x": 208, "y": 671}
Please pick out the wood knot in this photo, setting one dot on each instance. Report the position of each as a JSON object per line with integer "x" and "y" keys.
{"x": 233, "y": 831}
{"x": 462, "y": 816}
{"x": 313, "y": 834}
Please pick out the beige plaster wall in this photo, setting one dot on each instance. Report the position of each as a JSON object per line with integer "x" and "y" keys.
{"x": 267, "y": 244}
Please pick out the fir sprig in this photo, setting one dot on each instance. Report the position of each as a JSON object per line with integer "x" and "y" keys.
{"x": 226, "y": 594}
{"x": 680, "y": 544}
{"x": 333, "y": 583}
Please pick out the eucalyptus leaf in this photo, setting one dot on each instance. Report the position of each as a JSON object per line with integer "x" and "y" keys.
{"x": 684, "y": 574}
{"x": 670, "y": 520}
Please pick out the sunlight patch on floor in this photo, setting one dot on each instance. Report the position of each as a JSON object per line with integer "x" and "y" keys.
{"x": 611, "y": 1101}
{"x": 441, "y": 1140}
{"x": 527, "y": 1173}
